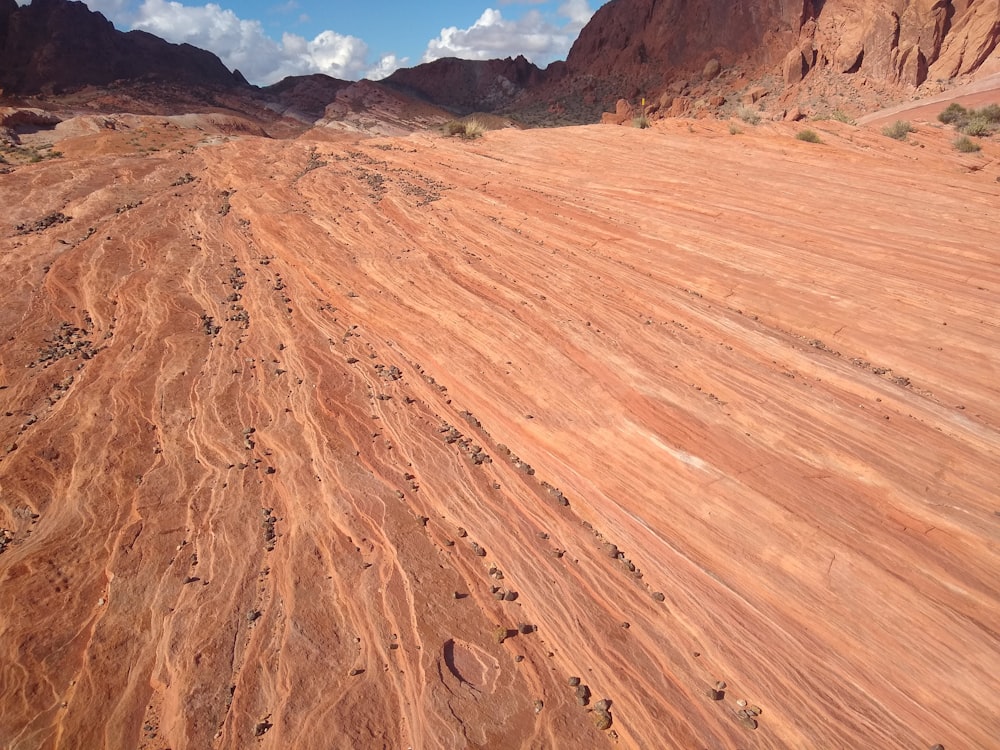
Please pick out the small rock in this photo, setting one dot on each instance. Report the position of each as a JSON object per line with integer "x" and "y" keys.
{"x": 715, "y": 695}
{"x": 355, "y": 672}
{"x": 747, "y": 722}
{"x": 539, "y": 705}
{"x": 658, "y": 595}
{"x": 754, "y": 710}
{"x": 602, "y": 720}
{"x": 741, "y": 703}
{"x": 720, "y": 685}
{"x": 573, "y": 681}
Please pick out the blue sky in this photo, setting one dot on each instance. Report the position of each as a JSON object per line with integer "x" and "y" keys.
{"x": 270, "y": 39}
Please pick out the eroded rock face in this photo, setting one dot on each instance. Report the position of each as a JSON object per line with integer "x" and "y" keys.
{"x": 646, "y": 44}
{"x": 57, "y": 45}
{"x": 906, "y": 42}
{"x": 644, "y": 41}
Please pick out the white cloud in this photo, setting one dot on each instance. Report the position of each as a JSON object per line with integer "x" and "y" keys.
{"x": 493, "y": 36}
{"x": 578, "y": 12}
{"x": 244, "y": 45}
{"x": 385, "y": 66}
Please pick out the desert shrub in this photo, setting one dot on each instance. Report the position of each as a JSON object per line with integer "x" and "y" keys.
{"x": 467, "y": 128}
{"x": 966, "y": 145}
{"x": 734, "y": 129}
{"x": 809, "y": 136}
{"x": 473, "y": 128}
{"x": 979, "y": 122}
{"x": 749, "y": 116}
{"x": 841, "y": 117}
{"x": 641, "y": 122}
{"x": 954, "y": 113}
{"x": 977, "y": 126}
{"x": 990, "y": 113}
{"x": 898, "y": 130}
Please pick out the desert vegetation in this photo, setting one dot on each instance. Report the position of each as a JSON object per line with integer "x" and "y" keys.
{"x": 976, "y": 122}
{"x": 898, "y": 130}
{"x": 748, "y": 115}
{"x": 966, "y": 145}
{"x": 809, "y": 136}
{"x": 470, "y": 128}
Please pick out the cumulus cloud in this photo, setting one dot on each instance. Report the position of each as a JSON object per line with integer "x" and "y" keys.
{"x": 531, "y": 35}
{"x": 244, "y": 45}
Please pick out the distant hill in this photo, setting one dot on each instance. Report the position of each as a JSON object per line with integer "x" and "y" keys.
{"x": 54, "y": 46}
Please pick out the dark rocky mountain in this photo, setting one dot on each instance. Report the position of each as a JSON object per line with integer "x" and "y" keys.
{"x": 303, "y": 97}
{"x": 54, "y": 46}
{"x": 468, "y": 85}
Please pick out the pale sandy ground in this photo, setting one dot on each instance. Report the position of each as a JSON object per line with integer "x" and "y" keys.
{"x": 766, "y": 370}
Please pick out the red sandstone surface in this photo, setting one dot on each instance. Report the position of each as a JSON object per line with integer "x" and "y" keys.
{"x": 263, "y": 401}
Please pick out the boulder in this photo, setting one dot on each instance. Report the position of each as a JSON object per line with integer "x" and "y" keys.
{"x": 794, "y": 67}
{"x": 680, "y": 106}
{"x": 753, "y": 95}
{"x": 624, "y": 112}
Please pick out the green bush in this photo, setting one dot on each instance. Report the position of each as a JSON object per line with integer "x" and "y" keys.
{"x": 809, "y": 136}
{"x": 984, "y": 121}
{"x": 953, "y": 113}
{"x": 898, "y": 130}
{"x": 977, "y": 126}
{"x": 990, "y": 113}
{"x": 966, "y": 145}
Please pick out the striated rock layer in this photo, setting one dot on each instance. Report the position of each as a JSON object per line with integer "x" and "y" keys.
{"x": 378, "y": 443}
